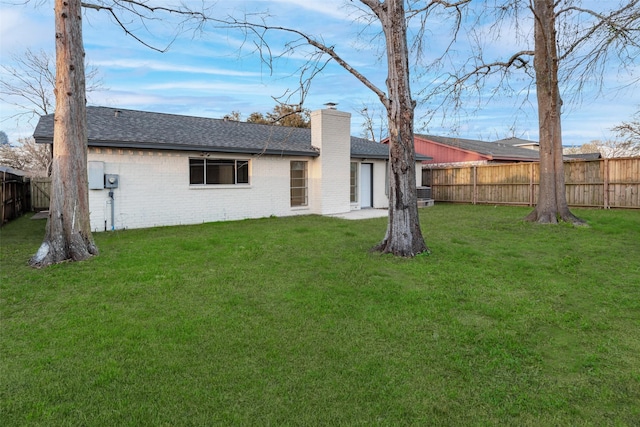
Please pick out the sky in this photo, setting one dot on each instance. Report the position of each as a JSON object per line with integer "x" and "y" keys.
{"x": 212, "y": 72}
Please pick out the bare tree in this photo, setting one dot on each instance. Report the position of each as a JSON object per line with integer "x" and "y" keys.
{"x": 552, "y": 200}
{"x": 29, "y": 79}
{"x": 68, "y": 233}
{"x": 234, "y": 116}
{"x": 403, "y": 236}
{"x": 28, "y": 83}
{"x": 629, "y": 133}
{"x": 27, "y": 156}
{"x": 373, "y": 127}
{"x": 609, "y": 148}
{"x": 572, "y": 46}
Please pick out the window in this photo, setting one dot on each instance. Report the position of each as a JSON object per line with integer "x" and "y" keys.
{"x": 354, "y": 182}
{"x": 299, "y": 183}
{"x": 218, "y": 171}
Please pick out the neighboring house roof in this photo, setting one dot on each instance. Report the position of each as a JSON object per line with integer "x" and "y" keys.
{"x": 12, "y": 171}
{"x": 121, "y": 128}
{"x": 366, "y": 149}
{"x": 583, "y": 156}
{"x": 517, "y": 142}
{"x": 492, "y": 150}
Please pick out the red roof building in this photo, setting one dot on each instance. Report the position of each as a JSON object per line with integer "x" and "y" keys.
{"x": 445, "y": 150}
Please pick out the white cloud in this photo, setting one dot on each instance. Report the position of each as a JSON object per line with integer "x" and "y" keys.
{"x": 208, "y": 86}
{"x": 22, "y": 27}
{"x": 336, "y": 9}
{"x": 170, "y": 67}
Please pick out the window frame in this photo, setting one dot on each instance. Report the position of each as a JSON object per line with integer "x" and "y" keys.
{"x": 354, "y": 182}
{"x": 304, "y": 188}
{"x": 239, "y": 179}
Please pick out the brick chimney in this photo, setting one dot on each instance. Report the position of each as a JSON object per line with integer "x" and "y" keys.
{"x": 330, "y": 172}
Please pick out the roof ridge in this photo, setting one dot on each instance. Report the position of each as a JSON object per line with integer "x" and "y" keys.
{"x": 240, "y": 122}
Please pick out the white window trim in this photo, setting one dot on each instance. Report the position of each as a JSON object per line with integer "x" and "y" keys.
{"x": 304, "y": 206}
{"x": 221, "y": 186}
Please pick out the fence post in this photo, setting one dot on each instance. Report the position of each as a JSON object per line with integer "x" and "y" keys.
{"x": 531, "y": 184}
{"x": 475, "y": 186}
{"x": 605, "y": 184}
{"x": 4, "y": 194}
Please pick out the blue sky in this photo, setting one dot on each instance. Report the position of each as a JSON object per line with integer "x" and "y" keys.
{"x": 214, "y": 72}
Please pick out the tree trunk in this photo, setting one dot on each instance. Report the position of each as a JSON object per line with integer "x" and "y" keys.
{"x": 68, "y": 233}
{"x": 552, "y": 200}
{"x": 403, "y": 236}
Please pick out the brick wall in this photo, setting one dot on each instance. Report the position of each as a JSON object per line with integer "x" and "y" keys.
{"x": 154, "y": 185}
{"x": 154, "y": 190}
{"x": 329, "y": 174}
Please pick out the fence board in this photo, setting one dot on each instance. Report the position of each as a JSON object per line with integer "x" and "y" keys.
{"x": 40, "y": 190}
{"x": 14, "y": 196}
{"x": 590, "y": 183}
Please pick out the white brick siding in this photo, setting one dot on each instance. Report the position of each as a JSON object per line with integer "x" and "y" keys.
{"x": 331, "y": 133}
{"x": 154, "y": 190}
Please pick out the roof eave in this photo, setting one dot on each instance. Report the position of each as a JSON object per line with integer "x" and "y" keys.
{"x": 418, "y": 158}
{"x": 179, "y": 147}
{"x": 516, "y": 159}
{"x": 208, "y": 149}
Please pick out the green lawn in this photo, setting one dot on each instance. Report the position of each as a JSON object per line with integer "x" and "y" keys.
{"x": 291, "y": 321}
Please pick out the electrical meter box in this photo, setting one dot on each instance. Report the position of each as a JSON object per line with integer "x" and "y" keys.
{"x": 96, "y": 175}
{"x": 111, "y": 180}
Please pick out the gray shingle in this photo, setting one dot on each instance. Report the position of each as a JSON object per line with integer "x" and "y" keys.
{"x": 515, "y": 142}
{"x": 116, "y": 127}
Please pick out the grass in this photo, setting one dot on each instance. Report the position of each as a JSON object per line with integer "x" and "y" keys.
{"x": 291, "y": 321}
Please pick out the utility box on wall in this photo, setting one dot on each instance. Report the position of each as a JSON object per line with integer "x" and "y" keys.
{"x": 111, "y": 180}
{"x": 95, "y": 171}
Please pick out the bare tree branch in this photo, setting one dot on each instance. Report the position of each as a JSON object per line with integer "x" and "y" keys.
{"x": 517, "y": 60}
{"x": 260, "y": 29}
{"x": 116, "y": 7}
{"x": 28, "y": 84}
{"x": 27, "y": 156}
{"x": 630, "y": 132}
{"x": 589, "y": 43}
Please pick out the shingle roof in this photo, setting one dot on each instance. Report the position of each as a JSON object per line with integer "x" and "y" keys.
{"x": 583, "y": 156}
{"x": 115, "y": 127}
{"x": 365, "y": 149}
{"x": 13, "y": 171}
{"x": 496, "y": 150}
{"x": 516, "y": 142}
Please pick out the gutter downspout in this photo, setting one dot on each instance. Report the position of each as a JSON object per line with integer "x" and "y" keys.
{"x": 113, "y": 225}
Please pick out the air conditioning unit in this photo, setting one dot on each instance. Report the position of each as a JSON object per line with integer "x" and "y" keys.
{"x": 424, "y": 193}
{"x": 424, "y": 196}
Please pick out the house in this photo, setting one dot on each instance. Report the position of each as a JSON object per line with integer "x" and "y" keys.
{"x": 519, "y": 142}
{"x": 151, "y": 169}
{"x": 582, "y": 156}
{"x": 445, "y": 151}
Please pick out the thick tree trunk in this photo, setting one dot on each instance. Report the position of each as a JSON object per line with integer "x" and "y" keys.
{"x": 552, "y": 200}
{"x": 68, "y": 233}
{"x": 403, "y": 236}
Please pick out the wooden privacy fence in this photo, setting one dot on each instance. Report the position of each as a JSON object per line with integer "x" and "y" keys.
{"x": 40, "y": 190}
{"x": 14, "y": 193}
{"x": 605, "y": 183}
